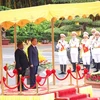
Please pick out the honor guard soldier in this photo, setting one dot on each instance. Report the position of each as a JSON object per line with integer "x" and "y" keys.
{"x": 92, "y": 37}
{"x": 85, "y": 48}
{"x": 96, "y": 50}
{"x": 62, "y": 45}
{"x": 74, "y": 44}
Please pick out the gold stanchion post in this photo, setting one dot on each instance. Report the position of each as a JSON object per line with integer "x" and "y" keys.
{"x": 85, "y": 80}
{"x": 6, "y": 74}
{"x": 15, "y": 41}
{"x": 15, "y": 36}
{"x": 20, "y": 84}
{"x": 52, "y": 31}
{"x": 70, "y": 80}
{"x": 1, "y": 63}
{"x": 47, "y": 84}
{"x": 76, "y": 78}
{"x": 37, "y": 91}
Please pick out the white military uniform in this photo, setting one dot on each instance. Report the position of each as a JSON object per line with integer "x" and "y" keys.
{"x": 74, "y": 44}
{"x": 85, "y": 55}
{"x": 92, "y": 38}
{"x": 96, "y": 50}
{"x": 62, "y": 46}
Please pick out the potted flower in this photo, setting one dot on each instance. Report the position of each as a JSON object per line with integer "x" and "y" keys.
{"x": 45, "y": 64}
{"x": 93, "y": 79}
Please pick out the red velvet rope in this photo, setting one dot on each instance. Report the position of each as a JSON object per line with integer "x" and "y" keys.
{"x": 27, "y": 76}
{"x": 78, "y": 68}
{"x": 81, "y": 77}
{"x": 4, "y": 79}
{"x": 41, "y": 84}
{"x": 85, "y": 72}
{"x": 79, "y": 74}
{"x": 5, "y": 68}
{"x": 10, "y": 75}
{"x": 61, "y": 78}
{"x": 14, "y": 71}
{"x": 73, "y": 76}
{"x": 39, "y": 78}
{"x": 23, "y": 78}
{"x": 29, "y": 87}
{"x": 43, "y": 77}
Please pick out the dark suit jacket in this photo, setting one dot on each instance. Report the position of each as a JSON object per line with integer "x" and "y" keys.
{"x": 21, "y": 59}
{"x": 33, "y": 56}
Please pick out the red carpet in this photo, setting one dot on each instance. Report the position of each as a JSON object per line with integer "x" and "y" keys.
{"x": 65, "y": 94}
{"x": 71, "y": 94}
{"x": 88, "y": 99}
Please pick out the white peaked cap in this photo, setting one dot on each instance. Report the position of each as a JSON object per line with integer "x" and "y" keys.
{"x": 93, "y": 30}
{"x": 62, "y": 35}
{"x": 74, "y": 33}
{"x": 85, "y": 33}
{"x": 97, "y": 32}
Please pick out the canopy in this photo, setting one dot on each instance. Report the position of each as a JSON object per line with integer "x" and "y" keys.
{"x": 46, "y": 12}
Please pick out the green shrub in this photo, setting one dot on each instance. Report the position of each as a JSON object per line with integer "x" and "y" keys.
{"x": 72, "y": 1}
{"x": 61, "y": 1}
{"x": 79, "y": 1}
{"x": 23, "y": 38}
{"x": 68, "y": 22}
{"x": 70, "y": 28}
{"x": 4, "y": 8}
{"x": 19, "y": 38}
{"x": 96, "y": 23}
{"x": 57, "y": 32}
{"x": 83, "y": 20}
{"x": 43, "y": 30}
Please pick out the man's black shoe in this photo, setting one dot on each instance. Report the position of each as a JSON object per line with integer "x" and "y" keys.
{"x": 61, "y": 73}
{"x": 95, "y": 71}
{"x": 73, "y": 71}
{"x": 35, "y": 88}
{"x": 24, "y": 89}
{"x": 64, "y": 72}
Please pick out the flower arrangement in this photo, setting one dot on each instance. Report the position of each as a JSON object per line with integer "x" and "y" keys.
{"x": 45, "y": 64}
{"x": 93, "y": 77}
{"x": 10, "y": 66}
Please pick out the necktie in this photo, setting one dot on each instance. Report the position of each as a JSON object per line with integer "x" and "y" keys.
{"x": 35, "y": 48}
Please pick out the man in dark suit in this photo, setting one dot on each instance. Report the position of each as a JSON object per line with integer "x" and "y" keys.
{"x": 21, "y": 62}
{"x": 33, "y": 61}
